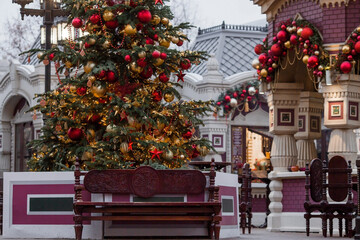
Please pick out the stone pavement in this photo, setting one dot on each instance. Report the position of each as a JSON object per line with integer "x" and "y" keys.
{"x": 260, "y": 234}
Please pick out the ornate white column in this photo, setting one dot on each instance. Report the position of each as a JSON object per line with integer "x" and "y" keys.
{"x": 341, "y": 114}
{"x": 5, "y": 147}
{"x": 283, "y": 104}
{"x": 309, "y": 120}
{"x": 275, "y": 206}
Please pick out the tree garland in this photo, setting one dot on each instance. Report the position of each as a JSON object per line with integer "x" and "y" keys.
{"x": 299, "y": 35}
{"x": 245, "y": 97}
{"x": 350, "y": 54}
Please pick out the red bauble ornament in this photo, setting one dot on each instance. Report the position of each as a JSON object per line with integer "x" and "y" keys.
{"x": 218, "y": 103}
{"x": 102, "y": 74}
{"x": 95, "y": 18}
{"x": 157, "y": 96}
{"x": 350, "y": 58}
{"x": 86, "y": 45}
{"x": 357, "y": 47}
{"x": 51, "y": 56}
{"x": 75, "y": 134}
{"x": 147, "y": 72}
{"x": 281, "y": 35}
{"x": 235, "y": 94}
{"x": 313, "y": 61}
{"x": 268, "y": 79}
{"x": 163, "y": 56}
{"x": 111, "y": 76}
{"x": 81, "y": 91}
{"x": 180, "y": 43}
{"x": 276, "y": 49}
{"x": 77, "y": 22}
{"x": 94, "y": 118}
{"x": 141, "y": 62}
{"x": 112, "y": 24}
{"x": 110, "y": 3}
{"x": 293, "y": 39}
{"x": 345, "y": 67}
{"x": 185, "y": 64}
{"x": 307, "y": 33}
{"x": 227, "y": 98}
{"x": 263, "y": 58}
{"x": 144, "y": 16}
{"x": 149, "y": 41}
{"x": 155, "y": 37}
{"x": 163, "y": 78}
{"x": 127, "y": 58}
{"x": 187, "y": 135}
{"x": 258, "y": 49}
{"x": 156, "y": 54}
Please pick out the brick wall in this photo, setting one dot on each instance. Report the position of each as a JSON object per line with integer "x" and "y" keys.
{"x": 352, "y": 16}
{"x": 334, "y": 30}
{"x": 259, "y": 204}
{"x": 293, "y": 195}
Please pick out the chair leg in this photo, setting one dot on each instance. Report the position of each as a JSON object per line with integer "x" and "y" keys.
{"x": 78, "y": 231}
{"x": 217, "y": 230}
{"x": 340, "y": 226}
{"x": 307, "y": 218}
{"x": 324, "y": 224}
{"x": 249, "y": 222}
{"x": 243, "y": 222}
{"x": 346, "y": 226}
{"x": 331, "y": 218}
{"x": 212, "y": 230}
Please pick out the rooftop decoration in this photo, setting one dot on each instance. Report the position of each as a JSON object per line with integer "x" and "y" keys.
{"x": 348, "y": 59}
{"x": 243, "y": 97}
{"x": 300, "y": 36}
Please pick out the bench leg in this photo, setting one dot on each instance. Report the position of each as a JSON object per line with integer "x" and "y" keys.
{"x": 78, "y": 231}
{"x": 217, "y": 231}
{"x": 324, "y": 224}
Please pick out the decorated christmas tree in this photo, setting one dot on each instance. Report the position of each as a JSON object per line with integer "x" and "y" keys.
{"x": 118, "y": 106}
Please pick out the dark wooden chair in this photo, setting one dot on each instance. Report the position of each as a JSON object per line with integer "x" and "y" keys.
{"x": 245, "y": 206}
{"x": 338, "y": 187}
{"x": 146, "y": 182}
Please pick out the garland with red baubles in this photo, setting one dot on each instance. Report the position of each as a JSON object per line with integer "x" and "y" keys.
{"x": 299, "y": 35}
{"x": 350, "y": 53}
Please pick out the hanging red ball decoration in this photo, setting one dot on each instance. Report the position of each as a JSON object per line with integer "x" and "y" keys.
{"x": 281, "y": 35}
{"x": 157, "y": 96}
{"x": 180, "y": 43}
{"x": 147, "y": 72}
{"x": 227, "y": 98}
{"x": 111, "y": 76}
{"x": 149, "y": 41}
{"x": 81, "y": 91}
{"x": 144, "y": 16}
{"x": 258, "y": 49}
{"x": 156, "y": 54}
{"x": 357, "y": 47}
{"x": 163, "y": 78}
{"x": 313, "y": 61}
{"x": 112, "y": 24}
{"x": 141, "y": 62}
{"x": 94, "y": 118}
{"x": 263, "y": 58}
{"x": 77, "y": 23}
{"x": 75, "y": 134}
{"x": 307, "y": 33}
{"x": 163, "y": 56}
{"x": 51, "y": 56}
{"x": 185, "y": 64}
{"x": 127, "y": 58}
{"x": 276, "y": 49}
{"x": 187, "y": 135}
{"x": 345, "y": 67}
{"x": 293, "y": 39}
{"x": 95, "y": 18}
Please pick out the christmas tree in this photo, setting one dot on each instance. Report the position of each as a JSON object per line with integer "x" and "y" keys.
{"x": 118, "y": 106}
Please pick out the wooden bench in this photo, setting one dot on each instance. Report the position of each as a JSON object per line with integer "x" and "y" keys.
{"x": 146, "y": 182}
{"x": 245, "y": 206}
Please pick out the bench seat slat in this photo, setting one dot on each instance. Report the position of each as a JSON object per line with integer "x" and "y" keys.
{"x": 144, "y": 204}
{"x": 149, "y": 218}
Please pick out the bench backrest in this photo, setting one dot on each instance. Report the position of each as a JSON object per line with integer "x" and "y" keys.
{"x": 145, "y": 181}
{"x": 339, "y": 178}
{"x": 316, "y": 180}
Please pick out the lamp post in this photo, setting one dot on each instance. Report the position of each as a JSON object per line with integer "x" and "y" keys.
{"x": 49, "y": 9}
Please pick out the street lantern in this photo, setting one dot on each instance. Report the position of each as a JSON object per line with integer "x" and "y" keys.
{"x": 49, "y": 10}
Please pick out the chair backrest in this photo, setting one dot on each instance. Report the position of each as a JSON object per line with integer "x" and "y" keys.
{"x": 316, "y": 180}
{"x": 246, "y": 184}
{"x": 339, "y": 172}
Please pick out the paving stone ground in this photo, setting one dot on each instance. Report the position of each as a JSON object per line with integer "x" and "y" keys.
{"x": 258, "y": 234}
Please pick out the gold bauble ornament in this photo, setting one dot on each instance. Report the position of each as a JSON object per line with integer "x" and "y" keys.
{"x": 182, "y": 157}
{"x": 264, "y": 73}
{"x": 169, "y": 97}
{"x": 108, "y": 15}
{"x": 293, "y": 29}
{"x": 306, "y": 46}
{"x": 177, "y": 142}
{"x": 87, "y": 155}
{"x": 175, "y": 40}
{"x": 317, "y": 53}
{"x": 358, "y": 29}
{"x": 135, "y": 68}
{"x": 305, "y": 59}
{"x": 40, "y": 54}
{"x": 106, "y": 44}
{"x": 98, "y": 91}
{"x": 255, "y": 63}
{"x": 158, "y": 62}
{"x": 142, "y": 54}
{"x": 68, "y": 64}
{"x": 274, "y": 65}
{"x": 346, "y": 49}
{"x": 129, "y": 30}
{"x": 320, "y": 67}
{"x": 299, "y": 31}
{"x": 88, "y": 67}
{"x": 91, "y": 41}
{"x": 168, "y": 155}
{"x": 92, "y": 79}
{"x": 90, "y": 27}
{"x": 155, "y": 20}
{"x": 124, "y": 147}
{"x": 164, "y": 43}
{"x": 165, "y": 21}
{"x": 111, "y": 128}
{"x": 72, "y": 88}
{"x": 204, "y": 151}
{"x": 287, "y": 44}
{"x": 289, "y": 29}
{"x": 90, "y": 134}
